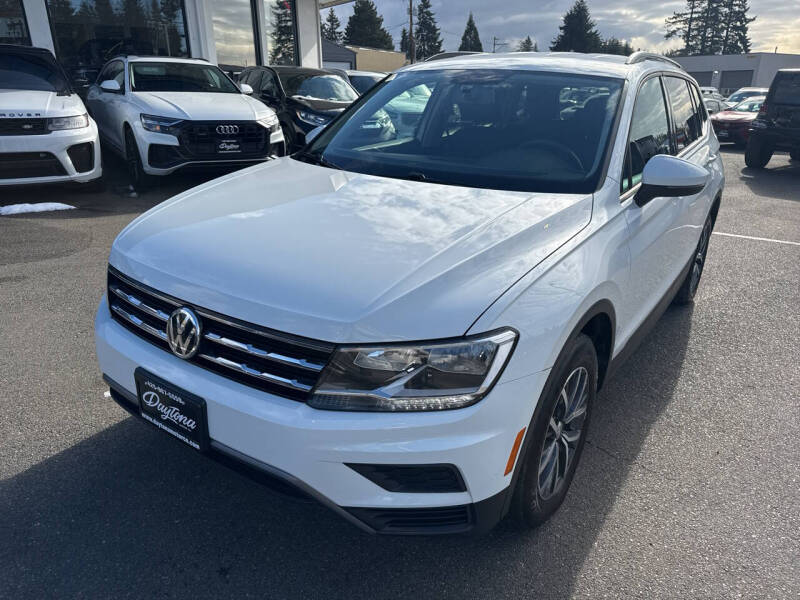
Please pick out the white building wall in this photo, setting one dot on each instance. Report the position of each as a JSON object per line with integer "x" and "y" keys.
{"x": 763, "y": 64}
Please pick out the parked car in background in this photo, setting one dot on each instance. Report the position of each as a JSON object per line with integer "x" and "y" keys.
{"x": 777, "y": 126}
{"x": 743, "y": 94}
{"x": 303, "y": 98}
{"x": 362, "y": 81}
{"x": 711, "y": 92}
{"x": 46, "y": 135}
{"x": 713, "y": 105}
{"x": 162, "y": 114}
{"x": 733, "y": 124}
{"x": 414, "y": 332}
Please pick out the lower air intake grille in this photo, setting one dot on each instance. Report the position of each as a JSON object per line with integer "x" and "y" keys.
{"x": 261, "y": 358}
{"x": 22, "y": 165}
{"x": 442, "y": 519}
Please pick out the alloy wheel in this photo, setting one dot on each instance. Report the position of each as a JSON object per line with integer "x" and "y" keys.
{"x": 563, "y": 433}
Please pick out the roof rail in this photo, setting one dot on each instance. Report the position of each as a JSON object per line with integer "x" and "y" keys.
{"x": 640, "y": 56}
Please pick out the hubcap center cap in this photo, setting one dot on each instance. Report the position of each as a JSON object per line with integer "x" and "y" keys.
{"x": 559, "y": 428}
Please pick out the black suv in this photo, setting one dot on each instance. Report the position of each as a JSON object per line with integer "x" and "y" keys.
{"x": 777, "y": 126}
{"x": 303, "y": 98}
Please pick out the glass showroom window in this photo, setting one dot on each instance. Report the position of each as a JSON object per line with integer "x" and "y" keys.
{"x": 281, "y": 32}
{"x": 87, "y": 33}
{"x": 13, "y": 29}
{"x": 233, "y": 33}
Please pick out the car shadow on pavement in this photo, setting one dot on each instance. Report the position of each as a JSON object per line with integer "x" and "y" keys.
{"x": 778, "y": 180}
{"x": 130, "y": 512}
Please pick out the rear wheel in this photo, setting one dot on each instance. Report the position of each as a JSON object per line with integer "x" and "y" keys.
{"x": 757, "y": 154}
{"x": 557, "y": 436}
{"x": 140, "y": 180}
{"x": 689, "y": 286}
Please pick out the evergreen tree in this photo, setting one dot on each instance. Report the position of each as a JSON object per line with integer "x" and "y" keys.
{"x": 471, "y": 41}
{"x": 427, "y": 40}
{"x": 404, "y": 47}
{"x": 105, "y": 12}
{"x": 711, "y": 27}
{"x": 577, "y": 32}
{"x": 526, "y": 45}
{"x": 365, "y": 27}
{"x": 282, "y": 51}
{"x": 132, "y": 13}
{"x": 615, "y": 46}
{"x": 331, "y": 28}
{"x": 60, "y": 11}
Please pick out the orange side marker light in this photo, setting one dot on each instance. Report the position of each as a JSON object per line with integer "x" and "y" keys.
{"x": 512, "y": 458}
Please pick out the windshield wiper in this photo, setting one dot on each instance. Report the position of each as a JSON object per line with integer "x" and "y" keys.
{"x": 315, "y": 159}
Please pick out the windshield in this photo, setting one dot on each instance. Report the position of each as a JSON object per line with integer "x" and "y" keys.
{"x": 363, "y": 83}
{"x": 739, "y": 96}
{"x": 28, "y": 72}
{"x": 320, "y": 87}
{"x": 179, "y": 77}
{"x": 787, "y": 89}
{"x": 750, "y": 105}
{"x": 495, "y": 129}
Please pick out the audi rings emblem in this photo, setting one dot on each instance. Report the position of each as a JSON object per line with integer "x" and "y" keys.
{"x": 227, "y": 129}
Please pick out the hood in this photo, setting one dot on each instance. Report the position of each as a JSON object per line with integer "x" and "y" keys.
{"x": 731, "y": 115}
{"x": 345, "y": 257}
{"x": 34, "y": 103}
{"x": 329, "y": 107}
{"x": 201, "y": 106}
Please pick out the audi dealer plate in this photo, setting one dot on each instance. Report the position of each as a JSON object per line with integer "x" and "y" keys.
{"x": 172, "y": 409}
{"x": 228, "y": 147}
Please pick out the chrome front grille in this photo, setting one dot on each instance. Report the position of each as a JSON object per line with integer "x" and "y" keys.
{"x": 267, "y": 360}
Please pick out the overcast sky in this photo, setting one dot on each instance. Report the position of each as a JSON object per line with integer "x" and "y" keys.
{"x": 639, "y": 21}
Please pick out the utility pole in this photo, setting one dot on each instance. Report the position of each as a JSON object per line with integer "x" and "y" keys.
{"x": 497, "y": 43}
{"x": 412, "y": 48}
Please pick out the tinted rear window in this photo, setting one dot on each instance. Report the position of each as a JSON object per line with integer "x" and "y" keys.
{"x": 787, "y": 89}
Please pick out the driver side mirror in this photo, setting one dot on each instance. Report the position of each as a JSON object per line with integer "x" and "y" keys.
{"x": 670, "y": 176}
{"x": 246, "y": 89}
{"x": 111, "y": 85}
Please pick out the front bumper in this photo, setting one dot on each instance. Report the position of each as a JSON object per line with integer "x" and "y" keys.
{"x": 162, "y": 154}
{"x": 310, "y": 449}
{"x": 57, "y": 144}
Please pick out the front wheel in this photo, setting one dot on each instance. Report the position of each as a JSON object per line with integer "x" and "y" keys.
{"x": 689, "y": 287}
{"x": 557, "y": 435}
{"x": 757, "y": 154}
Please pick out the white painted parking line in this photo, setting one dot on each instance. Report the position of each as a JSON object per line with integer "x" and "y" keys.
{"x": 758, "y": 239}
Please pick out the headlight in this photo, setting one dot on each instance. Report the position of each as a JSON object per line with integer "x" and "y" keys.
{"x": 416, "y": 377}
{"x": 269, "y": 122}
{"x": 313, "y": 118}
{"x": 159, "y": 124}
{"x": 76, "y": 122}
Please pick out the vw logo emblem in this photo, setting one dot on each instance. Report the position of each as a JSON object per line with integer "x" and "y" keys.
{"x": 227, "y": 129}
{"x": 183, "y": 332}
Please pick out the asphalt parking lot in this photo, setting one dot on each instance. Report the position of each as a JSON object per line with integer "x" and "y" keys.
{"x": 689, "y": 486}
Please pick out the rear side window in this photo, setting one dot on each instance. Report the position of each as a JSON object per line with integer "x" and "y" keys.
{"x": 649, "y": 133}
{"x": 786, "y": 89}
{"x": 700, "y": 108}
{"x": 687, "y": 124}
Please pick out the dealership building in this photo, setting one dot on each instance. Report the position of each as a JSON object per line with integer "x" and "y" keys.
{"x": 729, "y": 72}
{"x": 84, "y": 34}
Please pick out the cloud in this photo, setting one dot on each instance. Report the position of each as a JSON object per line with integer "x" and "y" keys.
{"x": 639, "y": 21}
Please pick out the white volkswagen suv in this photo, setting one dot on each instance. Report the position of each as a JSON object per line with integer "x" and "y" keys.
{"x": 162, "y": 114}
{"x": 46, "y": 136}
{"x": 414, "y": 330}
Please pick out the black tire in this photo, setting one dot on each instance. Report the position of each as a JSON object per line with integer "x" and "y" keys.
{"x": 547, "y": 467}
{"x": 688, "y": 288}
{"x": 757, "y": 154}
{"x": 289, "y": 138}
{"x": 794, "y": 154}
{"x": 140, "y": 180}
